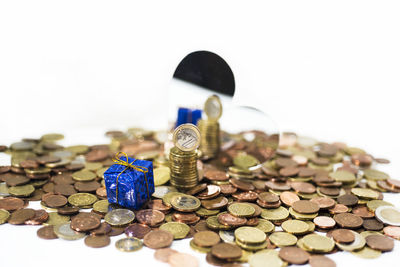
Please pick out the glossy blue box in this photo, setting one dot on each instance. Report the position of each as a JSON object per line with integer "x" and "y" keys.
{"x": 132, "y": 189}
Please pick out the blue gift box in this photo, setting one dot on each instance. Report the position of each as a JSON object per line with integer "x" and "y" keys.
{"x": 129, "y": 182}
{"x": 187, "y": 115}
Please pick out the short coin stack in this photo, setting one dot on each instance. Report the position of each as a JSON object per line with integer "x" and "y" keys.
{"x": 183, "y": 157}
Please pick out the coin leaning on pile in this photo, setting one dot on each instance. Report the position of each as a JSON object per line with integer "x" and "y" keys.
{"x": 304, "y": 200}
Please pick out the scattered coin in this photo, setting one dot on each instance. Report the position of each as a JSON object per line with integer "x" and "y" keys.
{"x": 380, "y": 242}
{"x": 158, "y": 239}
{"x": 65, "y": 231}
{"x": 129, "y": 244}
{"x": 97, "y": 241}
{"x": 182, "y": 260}
{"x": 137, "y": 230}
{"x": 294, "y": 255}
{"x": 47, "y": 232}
{"x": 163, "y": 254}
{"x": 119, "y": 217}
{"x": 226, "y": 251}
{"x": 321, "y": 261}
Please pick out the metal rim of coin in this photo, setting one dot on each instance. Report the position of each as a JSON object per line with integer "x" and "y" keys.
{"x": 213, "y": 108}
{"x": 184, "y": 131}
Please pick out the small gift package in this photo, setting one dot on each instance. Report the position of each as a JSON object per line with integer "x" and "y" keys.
{"x": 129, "y": 182}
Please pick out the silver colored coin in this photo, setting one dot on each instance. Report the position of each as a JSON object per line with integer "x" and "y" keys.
{"x": 358, "y": 243}
{"x": 129, "y": 244}
{"x": 388, "y": 215}
{"x": 227, "y": 236}
{"x": 187, "y": 137}
{"x": 64, "y": 231}
{"x": 119, "y": 217}
{"x": 161, "y": 191}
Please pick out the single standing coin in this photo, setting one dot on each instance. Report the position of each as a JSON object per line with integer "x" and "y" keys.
{"x": 119, "y": 217}
{"x": 158, "y": 239}
{"x": 294, "y": 255}
{"x": 213, "y": 108}
{"x": 129, "y": 244}
{"x": 46, "y": 232}
{"x": 97, "y": 241}
{"x": 64, "y": 231}
{"x": 182, "y": 260}
{"x": 186, "y": 137}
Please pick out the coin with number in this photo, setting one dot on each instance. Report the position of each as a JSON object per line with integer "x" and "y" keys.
{"x": 187, "y": 137}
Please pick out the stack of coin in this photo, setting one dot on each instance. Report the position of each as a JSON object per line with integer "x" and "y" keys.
{"x": 209, "y": 128}
{"x": 183, "y": 157}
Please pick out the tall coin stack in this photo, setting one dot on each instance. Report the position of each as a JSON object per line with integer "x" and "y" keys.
{"x": 183, "y": 157}
{"x": 209, "y": 128}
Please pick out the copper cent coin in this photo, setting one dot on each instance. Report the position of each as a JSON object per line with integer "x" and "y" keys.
{"x": 321, "y": 261}
{"x": 372, "y": 225}
{"x": 231, "y": 220}
{"x": 324, "y": 222}
{"x": 40, "y": 217}
{"x": 241, "y": 184}
{"x": 305, "y": 206}
{"x": 324, "y": 202}
{"x": 348, "y": 220}
{"x": 163, "y": 254}
{"x": 182, "y": 260}
{"x": 206, "y": 238}
{"x": 47, "y": 232}
{"x": 97, "y": 241}
{"x": 158, "y": 239}
{"x": 226, "y": 251}
{"x": 380, "y": 242}
{"x": 104, "y": 229}
{"x": 348, "y": 200}
{"x": 303, "y": 187}
{"x": 150, "y": 217}
{"x": 294, "y": 255}
{"x": 137, "y": 230}
{"x": 85, "y": 223}
{"x": 392, "y": 231}
{"x": 11, "y": 203}
{"x": 20, "y": 216}
{"x": 343, "y": 236}
{"x": 288, "y": 198}
{"x": 55, "y": 201}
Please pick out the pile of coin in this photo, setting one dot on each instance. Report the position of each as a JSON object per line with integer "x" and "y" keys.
{"x": 209, "y": 128}
{"x": 306, "y": 199}
{"x": 183, "y": 157}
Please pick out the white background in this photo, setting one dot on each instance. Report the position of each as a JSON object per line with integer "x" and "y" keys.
{"x": 327, "y": 69}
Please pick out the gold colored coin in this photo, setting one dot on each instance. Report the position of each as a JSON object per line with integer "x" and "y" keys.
{"x": 266, "y": 258}
{"x": 358, "y": 243}
{"x": 82, "y": 199}
{"x": 252, "y": 247}
{"x": 198, "y": 248}
{"x": 343, "y": 176}
{"x": 185, "y": 203}
{"x": 318, "y": 243}
{"x": 250, "y": 235}
{"x": 265, "y": 226}
{"x": 278, "y": 214}
{"x": 302, "y": 216}
{"x": 283, "y": 239}
{"x": 376, "y": 203}
{"x": 100, "y": 172}
{"x": 40, "y": 170}
{"x": 78, "y": 149}
{"x": 295, "y": 227}
{"x": 213, "y": 108}
{"x": 241, "y": 209}
{"x": 161, "y": 175}
{"x": 84, "y": 175}
{"x": 101, "y": 206}
{"x": 205, "y": 212}
{"x": 367, "y": 253}
{"x": 179, "y": 230}
{"x": 21, "y": 190}
{"x": 161, "y": 191}
{"x": 51, "y": 137}
{"x": 93, "y": 166}
{"x": 245, "y": 161}
{"x": 213, "y": 223}
{"x": 365, "y": 193}
{"x": 55, "y": 219}
{"x": 4, "y": 215}
{"x": 376, "y": 175}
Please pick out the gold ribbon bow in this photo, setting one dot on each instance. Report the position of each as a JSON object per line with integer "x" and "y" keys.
{"x": 128, "y": 165}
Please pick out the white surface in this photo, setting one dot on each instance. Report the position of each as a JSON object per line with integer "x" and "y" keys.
{"x": 325, "y": 69}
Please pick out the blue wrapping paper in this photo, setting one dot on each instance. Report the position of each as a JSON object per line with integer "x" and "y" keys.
{"x": 132, "y": 189}
{"x": 187, "y": 115}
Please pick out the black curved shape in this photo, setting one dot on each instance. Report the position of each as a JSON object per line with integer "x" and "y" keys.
{"x": 208, "y": 70}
